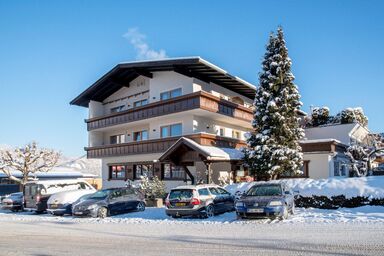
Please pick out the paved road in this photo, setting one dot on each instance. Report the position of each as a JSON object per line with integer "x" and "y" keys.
{"x": 42, "y": 238}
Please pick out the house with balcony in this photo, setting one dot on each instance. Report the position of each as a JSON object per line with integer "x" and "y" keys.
{"x": 183, "y": 120}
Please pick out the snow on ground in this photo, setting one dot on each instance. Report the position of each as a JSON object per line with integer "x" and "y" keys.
{"x": 365, "y": 214}
{"x": 372, "y": 186}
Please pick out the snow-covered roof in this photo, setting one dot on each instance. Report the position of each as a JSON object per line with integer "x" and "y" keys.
{"x": 210, "y": 152}
{"x": 52, "y": 174}
{"x": 319, "y": 141}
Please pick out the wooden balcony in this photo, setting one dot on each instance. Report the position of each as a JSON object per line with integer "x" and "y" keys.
{"x": 197, "y": 100}
{"x": 159, "y": 145}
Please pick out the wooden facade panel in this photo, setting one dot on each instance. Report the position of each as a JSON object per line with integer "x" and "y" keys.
{"x": 159, "y": 145}
{"x": 201, "y": 100}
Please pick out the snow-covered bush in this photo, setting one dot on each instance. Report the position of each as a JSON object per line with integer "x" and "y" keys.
{"x": 359, "y": 159}
{"x": 319, "y": 116}
{"x": 152, "y": 188}
{"x": 351, "y": 115}
{"x": 28, "y": 160}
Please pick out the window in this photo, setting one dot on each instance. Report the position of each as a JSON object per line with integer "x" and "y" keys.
{"x": 203, "y": 192}
{"x": 221, "y": 132}
{"x": 235, "y": 134}
{"x": 117, "y": 172}
{"x": 171, "y": 130}
{"x": 141, "y": 135}
{"x": 143, "y": 170}
{"x": 140, "y": 103}
{"x": 171, "y": 171}
{"x": 117, "y": 109}
{"x": 170, "y": 94}
{"x": 339, "y": 169}
{"x": 117, "y": 139}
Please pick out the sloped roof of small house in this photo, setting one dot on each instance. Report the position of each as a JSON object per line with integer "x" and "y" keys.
{"x": 210, "y": 152}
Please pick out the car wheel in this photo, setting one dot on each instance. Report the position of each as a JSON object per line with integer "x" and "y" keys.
{"x": 209, "y": 211}
{"x": 293, "y": 210}
{"x": 140, "y": 207}
{"x": 102, "y": 212}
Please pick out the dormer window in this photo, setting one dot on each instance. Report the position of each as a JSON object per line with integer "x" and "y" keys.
{"x": 170, "y": 94}
{"x": 117, "y": 109}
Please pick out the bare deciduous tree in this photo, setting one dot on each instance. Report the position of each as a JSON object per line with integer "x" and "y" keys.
{"x": 27, "y": 160}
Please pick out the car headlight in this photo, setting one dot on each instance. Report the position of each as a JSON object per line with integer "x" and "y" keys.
{"x": 275, "y": 203}
{"x": 239, "y": 204}
{"x": 92, "y": 206}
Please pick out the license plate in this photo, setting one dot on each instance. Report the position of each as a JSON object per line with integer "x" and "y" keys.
{"x": 180, "y": 204}
{"x": 257, "y": 210}
{"x": 53, "y": 206}
{"x": 78, "y": 213}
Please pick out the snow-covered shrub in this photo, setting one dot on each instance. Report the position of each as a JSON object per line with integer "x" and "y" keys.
{"x": 359, "y": 159}
{"x": 152, "y": 188}
{"x": 351, "y": 115}
{"x": 319, "y": 116}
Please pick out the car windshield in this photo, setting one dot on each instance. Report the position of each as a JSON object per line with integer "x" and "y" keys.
{"x": 102, "y": 194}
{"x": 182, "y": 194}
{"x": 273, "y": 190}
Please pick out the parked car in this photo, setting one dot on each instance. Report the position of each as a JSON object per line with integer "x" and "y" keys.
{"x": 109, "y": 202}
{"x": 266, "y": 200}
{"x": 61, "y": 203}
{"x": 198, "y": 200}
{"x": 13, "y": 202}
{"x": 37, "y": 193}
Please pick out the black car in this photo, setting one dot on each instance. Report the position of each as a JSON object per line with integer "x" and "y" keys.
{"x": 109, "y": 202}
{"x": 13, "y": 202}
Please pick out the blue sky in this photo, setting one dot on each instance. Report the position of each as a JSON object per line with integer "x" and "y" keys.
{"x": 50, "y": 51}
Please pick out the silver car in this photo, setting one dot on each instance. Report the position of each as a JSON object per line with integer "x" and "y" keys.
{"x": 199, "y": 200}
{"x": 266, "y": 200}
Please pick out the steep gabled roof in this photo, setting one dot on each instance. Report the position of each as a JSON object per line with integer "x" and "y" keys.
{"x": 196, "y": 67}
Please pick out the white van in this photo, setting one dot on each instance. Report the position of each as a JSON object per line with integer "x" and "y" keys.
{"x": 37, "y": 193}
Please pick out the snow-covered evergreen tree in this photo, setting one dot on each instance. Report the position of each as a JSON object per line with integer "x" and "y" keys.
{"x": 274, "y": 144}
{"x": 152, "y": 188}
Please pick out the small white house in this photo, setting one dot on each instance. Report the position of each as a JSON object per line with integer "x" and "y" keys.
{"x": 324, "y": 149}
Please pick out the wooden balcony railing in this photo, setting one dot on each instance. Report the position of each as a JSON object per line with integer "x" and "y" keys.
{"x": 201, "y": 99}
{"x": 159, "y": 145}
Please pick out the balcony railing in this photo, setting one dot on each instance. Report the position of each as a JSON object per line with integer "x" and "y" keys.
{"x": 159, "y": 145}
{"x": 201, "y": 99}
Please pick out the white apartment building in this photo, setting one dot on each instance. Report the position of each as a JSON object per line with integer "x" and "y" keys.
{"x": 183, "y": 120}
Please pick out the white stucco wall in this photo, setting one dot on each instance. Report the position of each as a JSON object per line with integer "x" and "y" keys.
{"x": 217, "y": 90}
{"x": 126, "y": 96}
{"x": 166, "y": 81}
{"x": 342, "y": 132}
{"x": 320, "y": 165}
{"x": 201, "y": 123}
{"x": 118, "y": 160}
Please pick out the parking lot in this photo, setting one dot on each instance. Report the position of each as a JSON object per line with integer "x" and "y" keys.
{"x": 310, "y": 232}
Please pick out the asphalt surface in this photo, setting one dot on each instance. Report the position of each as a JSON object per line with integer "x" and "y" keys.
{"x": 41, "y": 238}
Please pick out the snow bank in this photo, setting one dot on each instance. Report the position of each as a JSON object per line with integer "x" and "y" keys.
{"x": 372, "y": 187}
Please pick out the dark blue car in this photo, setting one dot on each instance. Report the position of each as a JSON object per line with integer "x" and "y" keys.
{"x": 109, "y": 202}
{"x": 266, "y": 200}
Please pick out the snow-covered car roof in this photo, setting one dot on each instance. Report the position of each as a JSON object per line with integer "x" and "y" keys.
{"x": 196, "y": 186}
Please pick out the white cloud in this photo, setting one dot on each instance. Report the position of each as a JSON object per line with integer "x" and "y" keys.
{"x": 143, "y": 51}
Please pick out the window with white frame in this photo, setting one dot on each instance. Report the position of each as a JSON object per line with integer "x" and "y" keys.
{"x": 339, "y": 168}
{"x": 171, "y": 130}
{"x": 117, "y": 109}
{"x": 140, "y": 135}
{"x": 236, "y": 134}
{"x": 170, "y": 94}
{"x": 140, "y": 103}
{"x": 117, "y": 139}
